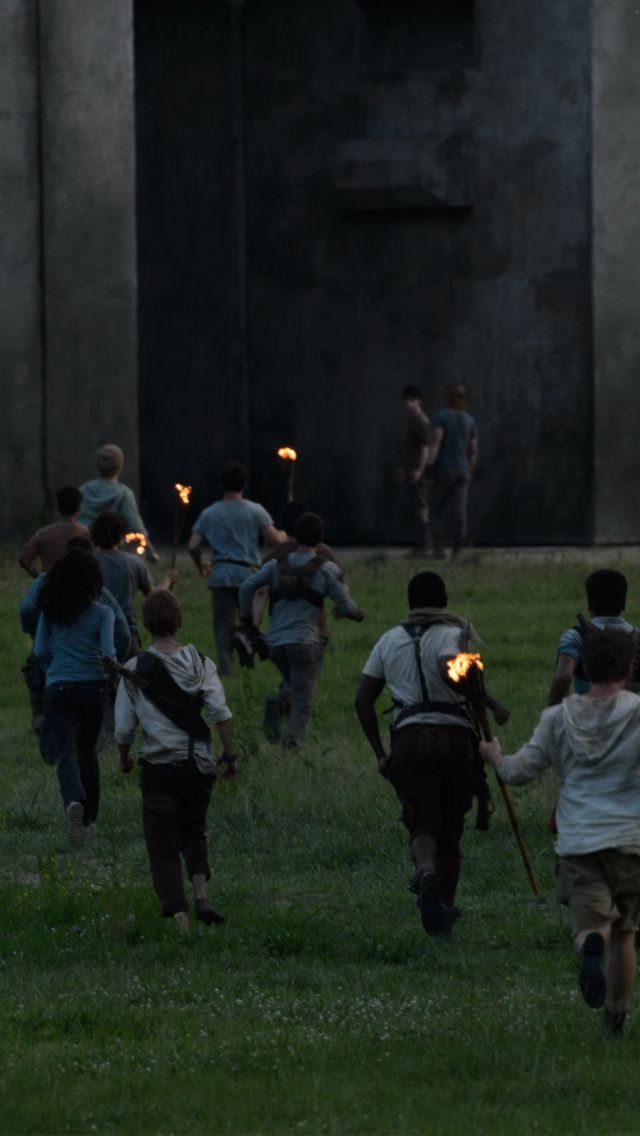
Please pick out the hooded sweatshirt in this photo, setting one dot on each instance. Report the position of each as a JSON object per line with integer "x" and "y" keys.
{"x": 594, "y": 748}
{"x": 104, "y": 496}
{"x": 162, "y": 740}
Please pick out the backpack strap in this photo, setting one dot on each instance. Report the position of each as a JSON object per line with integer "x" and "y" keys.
{"x": 416, "y": 632}
{"x": 176, "y": 704}
{"x": 304, "y": 574}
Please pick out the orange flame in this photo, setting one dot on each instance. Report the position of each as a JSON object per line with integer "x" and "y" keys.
{"x": 139, "y": 539}
{"x": 184, "y": 492}
{"x": 460, "y": 666}
{"x": 287, "y": 454}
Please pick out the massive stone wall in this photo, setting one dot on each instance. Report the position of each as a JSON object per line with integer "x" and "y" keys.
{"x": 68, "y": 275}
{"x": 332, "y": 200}
{"x": 21, "y": 420}
{"x": 616, "y": 269}
{"x": 416, "y": 209}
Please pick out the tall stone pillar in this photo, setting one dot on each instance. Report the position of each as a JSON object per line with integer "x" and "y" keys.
{"x": 89, "y": 249}
{"x": 616, "y": 270}
{"x": 21, "y": 418}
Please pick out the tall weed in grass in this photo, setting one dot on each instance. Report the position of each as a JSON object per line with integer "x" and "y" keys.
{"x": 320, "y": 1006}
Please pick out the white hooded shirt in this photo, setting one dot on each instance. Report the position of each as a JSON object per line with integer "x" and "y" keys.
{"x": 162, "y": 740}
{"x": 593, "y": 746}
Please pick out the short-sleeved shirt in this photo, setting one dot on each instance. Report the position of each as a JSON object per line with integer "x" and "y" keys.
{"x": 572, "y": 644}
{"x": 124, "y": 574}
{"x": 418, "y": 436}
{"x": 232, "y": 529}
{"x": 459, "y": 429}
{"x": 393, "y": 660}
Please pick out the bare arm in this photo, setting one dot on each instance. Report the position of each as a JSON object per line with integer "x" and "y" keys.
{"x": 561, "y": 684}
{"x": 28, "y": 555}
{"x": 126, "y": 760}
{"x": 423, "y": 462}
{"x": 472, "y": 453}
{"x": 271, "y": 535}
{"x": 368, "y": 692}
{"x": 194, "y": 548}
{"x": 436, "y": 439}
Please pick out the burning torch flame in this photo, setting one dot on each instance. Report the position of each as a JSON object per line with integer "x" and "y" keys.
{"x": 287, "y": 454}
{"x": 460, "y": 666}
{"x": 184, "y": 492}
{"x": 139, "y": 539}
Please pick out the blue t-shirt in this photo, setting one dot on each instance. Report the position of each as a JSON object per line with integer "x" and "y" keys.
{"x": 232, "y": 529}
{"x": 73, "y": 652}
{"x": 29, "y": 617}
{"x": 298, "y": 621}
{"x": 459, "y": 428}
{"x": 571, "y": 644}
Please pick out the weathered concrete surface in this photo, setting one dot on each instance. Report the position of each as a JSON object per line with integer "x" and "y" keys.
{"x": 616, "y": 269}
{"x": 20, "y": 358}
{"x": 89, "y": 234}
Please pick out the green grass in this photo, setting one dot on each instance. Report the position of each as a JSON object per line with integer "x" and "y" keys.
{"x": 320, "y": 1006}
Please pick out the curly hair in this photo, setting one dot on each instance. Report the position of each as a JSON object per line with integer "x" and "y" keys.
{"x": 108, "y": 530}
{"x": 70, "y": 586}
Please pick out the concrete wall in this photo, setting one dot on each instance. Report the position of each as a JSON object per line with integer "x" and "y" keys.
{"x": 616, "y": 269}
{"x": 89, "y": 234}
{"x": 21, "y": 420}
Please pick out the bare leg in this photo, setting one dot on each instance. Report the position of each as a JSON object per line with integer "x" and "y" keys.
{"x": 621, "y": 969}
{"x": 182, "y": 919}
{"x": 423, "y": 850}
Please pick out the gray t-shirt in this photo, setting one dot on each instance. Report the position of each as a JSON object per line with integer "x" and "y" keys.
{"x": 393, "y": 660}
{"x": 232, "y": 529}
{"x": 124, "y": 574}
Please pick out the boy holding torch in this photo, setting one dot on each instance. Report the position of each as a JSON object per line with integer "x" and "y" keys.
{"x": 592, "y": 742}
{"x": 431, "y": 763}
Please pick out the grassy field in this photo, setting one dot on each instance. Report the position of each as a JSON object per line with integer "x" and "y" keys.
{"x": 320, "y": 1006}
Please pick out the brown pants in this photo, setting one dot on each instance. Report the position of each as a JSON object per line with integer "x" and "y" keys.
{"x": 175, "y": 800}
{"x": 432, "y": 773}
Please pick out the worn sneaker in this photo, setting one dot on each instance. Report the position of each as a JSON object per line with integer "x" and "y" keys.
{"x": 593, "y": 984}
{"x": 435, "y": 917}
{"x": 75, "y": 826}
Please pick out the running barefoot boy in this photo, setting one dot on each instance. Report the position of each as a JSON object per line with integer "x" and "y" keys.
{"x": 169, "y": 685}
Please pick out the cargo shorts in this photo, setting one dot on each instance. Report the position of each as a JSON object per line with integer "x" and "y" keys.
{"x": 599, "y": 888}
{"x": 431, "y": 769}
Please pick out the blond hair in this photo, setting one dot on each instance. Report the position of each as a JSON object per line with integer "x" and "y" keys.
{"x": 109, "y": 460}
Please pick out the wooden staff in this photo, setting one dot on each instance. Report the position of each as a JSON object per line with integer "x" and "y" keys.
{"x": 182, "y": 498}
{"x": 472, "y": 683}
{"x": 485, "y": 730}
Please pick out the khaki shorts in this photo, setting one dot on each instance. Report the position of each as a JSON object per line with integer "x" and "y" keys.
{"x": 599, "y": 888}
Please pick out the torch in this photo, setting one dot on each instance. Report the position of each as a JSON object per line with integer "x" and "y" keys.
{"x": 136, "y": 542}
{"x": 466, "y": 671}
{"x": 289, "y": 457}
{"x": 179, "y": 517}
